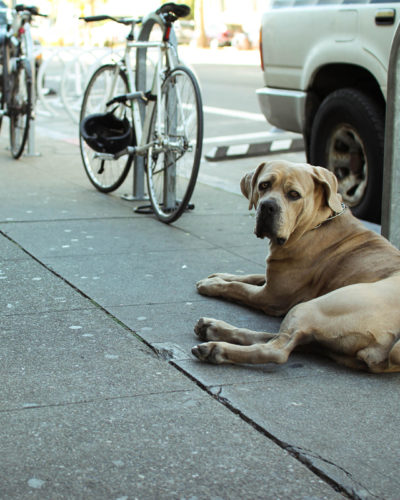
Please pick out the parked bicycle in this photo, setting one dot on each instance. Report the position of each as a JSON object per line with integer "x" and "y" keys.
{"x": 17, "y": 80}
{"x": 121, "y": 118}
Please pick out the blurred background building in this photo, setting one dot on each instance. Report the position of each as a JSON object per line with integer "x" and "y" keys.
{"x": 213, "y": 23}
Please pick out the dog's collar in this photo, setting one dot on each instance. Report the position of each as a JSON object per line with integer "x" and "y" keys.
{"x": 332, "y": 216}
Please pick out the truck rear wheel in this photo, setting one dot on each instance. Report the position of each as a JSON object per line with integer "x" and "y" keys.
{"x": 347, "y": 137}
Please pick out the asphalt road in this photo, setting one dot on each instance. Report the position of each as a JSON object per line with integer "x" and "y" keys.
{"x": 230, "y": 86}
{"x": 230, "y": 101}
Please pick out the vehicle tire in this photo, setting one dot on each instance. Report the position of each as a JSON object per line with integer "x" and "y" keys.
{"x": 20, "y": 109}
{"x": 105, "y": 175}
{"x": 347, "y": 137}
{"x": 174, "y": 159}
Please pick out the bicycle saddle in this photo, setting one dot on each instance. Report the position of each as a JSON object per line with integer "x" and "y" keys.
{"x": 181, "y": 10}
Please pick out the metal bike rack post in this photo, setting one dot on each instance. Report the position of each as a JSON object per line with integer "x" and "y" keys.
{"x": 31, "y": 132}
{"x": 32, "y": 121}
{"x": 391, "y": 170}
{"x": 141, "y": 80}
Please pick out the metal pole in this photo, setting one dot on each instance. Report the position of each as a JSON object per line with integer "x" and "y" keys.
{"x": 391, "y": 170}
{"x": 31, "y": 60}
{"x": 32, "y": 121}
{"x": 141, "y": 82}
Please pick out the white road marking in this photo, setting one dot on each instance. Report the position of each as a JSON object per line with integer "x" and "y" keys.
{"x": 234, "y": 113}
{"x": 227, "y": 139}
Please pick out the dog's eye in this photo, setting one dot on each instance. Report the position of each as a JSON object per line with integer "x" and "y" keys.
{"x": 263, "y": 186}
{"x": 294, "y": 195}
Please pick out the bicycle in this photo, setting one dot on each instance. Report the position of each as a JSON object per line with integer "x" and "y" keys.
{"x": 18, "y": 74}
{"x": 166, "y": 122}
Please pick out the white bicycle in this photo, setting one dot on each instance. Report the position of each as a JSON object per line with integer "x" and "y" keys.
{"x": 121, "y": 118}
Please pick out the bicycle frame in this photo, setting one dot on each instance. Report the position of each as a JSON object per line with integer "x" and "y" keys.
{"x": 142, "y": 126}
{"x": 18, "y": 50}
{"x": 26, "y": 41}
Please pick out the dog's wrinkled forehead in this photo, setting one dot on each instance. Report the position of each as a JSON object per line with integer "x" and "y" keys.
{"x": 284, "y": 173}
{"x": 280, "y": 175}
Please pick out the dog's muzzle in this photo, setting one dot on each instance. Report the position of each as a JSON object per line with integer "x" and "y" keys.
{"x": 267, "y": 219}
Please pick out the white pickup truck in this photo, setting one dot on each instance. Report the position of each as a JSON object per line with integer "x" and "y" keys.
{"x": 325, "y": 71}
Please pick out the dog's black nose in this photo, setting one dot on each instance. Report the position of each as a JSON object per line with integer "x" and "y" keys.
{"x": 269, "y": 207}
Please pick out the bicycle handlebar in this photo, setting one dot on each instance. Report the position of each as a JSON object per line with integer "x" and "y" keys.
{"x": 171, "y": 11}
{"x": 121, "y": 20}
{"x": 32, "y": 9}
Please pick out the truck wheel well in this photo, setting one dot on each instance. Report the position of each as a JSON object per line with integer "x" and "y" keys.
{"x": 333, "y": 77}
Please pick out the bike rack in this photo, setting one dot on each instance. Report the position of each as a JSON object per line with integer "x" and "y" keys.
{"x": 32, "y": 132}
{"x": 391, "y": 170}
{"x": 139, "y": 193}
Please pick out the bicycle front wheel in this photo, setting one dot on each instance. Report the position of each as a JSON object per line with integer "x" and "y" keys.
{"x": 107, "y": 82}
{"x": 20, "y": 108}
{"x": 176, "y": 135}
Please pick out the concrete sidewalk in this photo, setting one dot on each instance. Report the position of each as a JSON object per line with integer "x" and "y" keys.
{"x": 100, "y": 396}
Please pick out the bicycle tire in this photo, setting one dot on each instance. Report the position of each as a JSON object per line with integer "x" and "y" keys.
{"x": 20, "y": 109}
{"x": 4, "y": 72}
{"x": 173, "y": 161}
{"x": 105, "y": 175}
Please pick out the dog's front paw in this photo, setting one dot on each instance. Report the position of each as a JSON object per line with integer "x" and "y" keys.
{"x": 206, "y": 329}
{"x": 212, "y": 352}
{"x": 210, "y": 286}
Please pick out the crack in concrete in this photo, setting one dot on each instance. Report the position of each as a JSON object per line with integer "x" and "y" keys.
{"x": 300, "y": 454}
{"x": 307, "y": 457}
{"x": 169, "y": 351}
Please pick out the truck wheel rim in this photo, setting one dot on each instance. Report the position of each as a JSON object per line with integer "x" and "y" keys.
{"x": 346, "y": 158}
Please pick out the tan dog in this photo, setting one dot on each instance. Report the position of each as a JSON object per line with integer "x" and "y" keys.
{"x": 338, "y": 282}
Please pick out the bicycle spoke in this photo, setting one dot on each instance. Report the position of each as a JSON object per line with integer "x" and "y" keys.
{"x": 177, "y": 129}
{"x": 106, "y": 82}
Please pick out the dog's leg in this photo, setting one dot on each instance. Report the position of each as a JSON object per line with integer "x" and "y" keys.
{"x": 251, "y": 279}
{"x": 293, "y": 332}
{"x": 379, "y": 359}
{"x": 360, "y": 321}
{"x": 275, "y": 351}
{"x": 214, "y": 329}
{"x": 255, "y": 296}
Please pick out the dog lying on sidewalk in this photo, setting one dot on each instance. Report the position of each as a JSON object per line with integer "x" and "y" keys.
{"x": 337, "y": 282}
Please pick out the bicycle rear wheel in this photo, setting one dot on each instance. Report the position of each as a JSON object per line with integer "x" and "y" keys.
{"x": 20, "y": 108}
{"x": 3, "y": 72}
{"x": 107, "y": 81}
{"x": 174, "y": 158}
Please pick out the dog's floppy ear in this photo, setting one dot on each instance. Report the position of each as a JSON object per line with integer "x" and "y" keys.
{"x": 330, "y": 185}
{"x": 247, "y": 185}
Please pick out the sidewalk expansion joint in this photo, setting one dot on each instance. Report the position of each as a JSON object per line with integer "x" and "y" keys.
{"x": 83, "y": 294}
{"x": 299, "y": 454}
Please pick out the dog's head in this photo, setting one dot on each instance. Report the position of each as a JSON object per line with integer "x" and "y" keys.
{"x": 290, "y": 197}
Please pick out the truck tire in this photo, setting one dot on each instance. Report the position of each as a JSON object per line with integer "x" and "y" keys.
{"x": 347, "y": 137}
